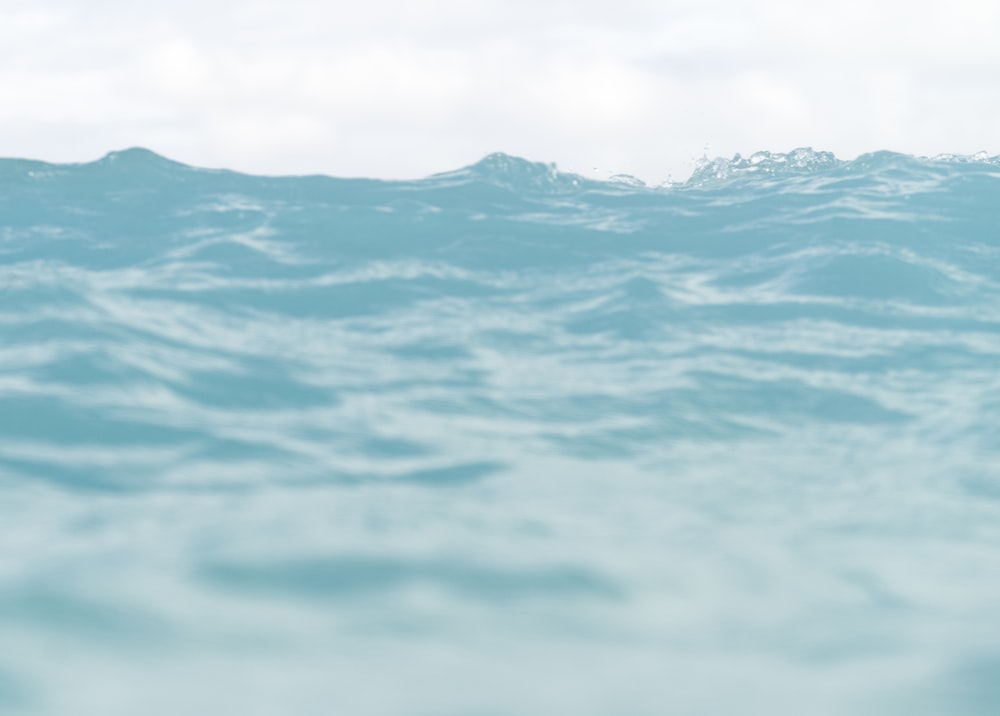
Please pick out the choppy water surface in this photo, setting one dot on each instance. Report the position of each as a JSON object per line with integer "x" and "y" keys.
{"x": 502, "y": 441}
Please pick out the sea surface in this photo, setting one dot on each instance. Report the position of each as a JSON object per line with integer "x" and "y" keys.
{"x": 503, "y": 441}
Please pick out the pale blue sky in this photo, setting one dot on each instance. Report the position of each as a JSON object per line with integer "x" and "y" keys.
{"x": 402, "y": 89}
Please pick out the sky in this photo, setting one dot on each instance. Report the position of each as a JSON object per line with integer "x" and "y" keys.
{"x": 403, "y": 89}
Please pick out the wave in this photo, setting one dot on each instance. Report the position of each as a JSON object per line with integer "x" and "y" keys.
{"x": 332, "y": 429}
{"x": 517, "y": 172}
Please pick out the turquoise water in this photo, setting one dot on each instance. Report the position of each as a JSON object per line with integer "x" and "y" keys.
{"x": 502, "y": 441}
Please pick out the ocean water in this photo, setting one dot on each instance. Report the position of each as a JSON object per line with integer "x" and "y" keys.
{"x": 502, "y": 441}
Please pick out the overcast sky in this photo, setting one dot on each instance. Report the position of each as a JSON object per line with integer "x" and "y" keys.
{"x": 394, "y": 88}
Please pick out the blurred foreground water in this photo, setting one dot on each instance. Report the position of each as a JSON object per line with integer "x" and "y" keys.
{"x": 502, "y": 441}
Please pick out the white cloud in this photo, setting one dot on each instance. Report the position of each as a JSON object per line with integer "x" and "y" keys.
{"x": 388, "y": 88}
{"x": 180, "y": 70}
